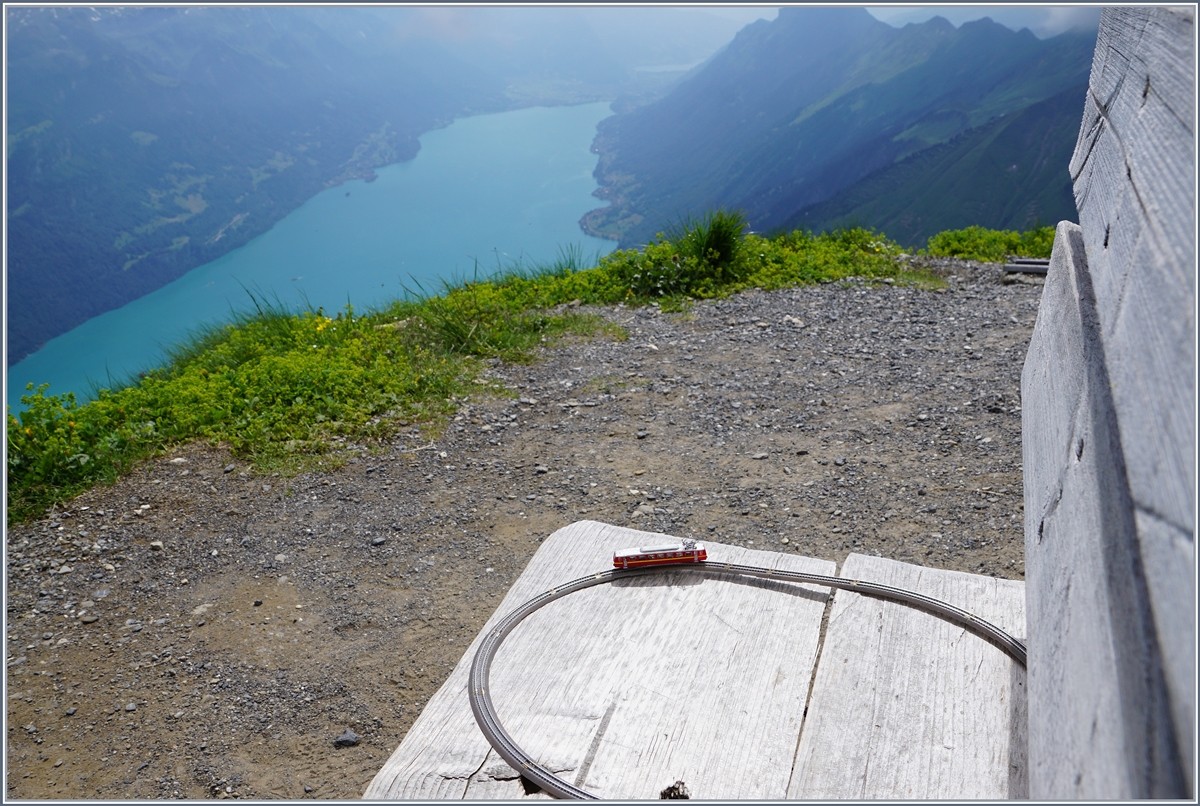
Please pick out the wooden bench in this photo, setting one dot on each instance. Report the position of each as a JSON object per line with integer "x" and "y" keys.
{"x": 740, "y": 688}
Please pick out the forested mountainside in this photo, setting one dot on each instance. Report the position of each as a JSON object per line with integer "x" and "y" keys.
{"x": 795, "y": 110}
{"x": 1011, "y": 173}
{"x": 143, "y": 142}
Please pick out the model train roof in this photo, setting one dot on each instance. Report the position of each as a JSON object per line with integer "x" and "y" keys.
{"x": 659, "y": 549}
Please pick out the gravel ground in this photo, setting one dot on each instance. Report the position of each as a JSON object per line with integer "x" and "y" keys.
{"x": 198, "y": 631}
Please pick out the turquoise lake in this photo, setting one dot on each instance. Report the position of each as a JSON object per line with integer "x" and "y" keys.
{"x": 483, "y": 192}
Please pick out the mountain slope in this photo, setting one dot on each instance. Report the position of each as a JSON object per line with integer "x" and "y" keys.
{"x": 796, "y": 110}
{"x": 1010, "y": 173}
{"x": 146, "y": 141}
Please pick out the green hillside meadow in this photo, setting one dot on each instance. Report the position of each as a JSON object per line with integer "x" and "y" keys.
{"x": 287, "y": 390}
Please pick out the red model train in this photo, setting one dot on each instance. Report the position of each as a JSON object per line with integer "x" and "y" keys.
{"x": 683, "y": 551}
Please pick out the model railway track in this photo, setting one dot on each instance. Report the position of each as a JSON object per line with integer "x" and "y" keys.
{"x": 479, "y": 688}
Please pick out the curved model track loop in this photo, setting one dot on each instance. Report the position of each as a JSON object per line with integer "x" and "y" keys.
{"x": 522, "y": 762}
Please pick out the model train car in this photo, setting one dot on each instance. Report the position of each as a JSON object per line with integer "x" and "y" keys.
{"x": 684, "y": 551}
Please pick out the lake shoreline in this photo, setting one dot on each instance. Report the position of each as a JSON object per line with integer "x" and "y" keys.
{"x": 508, "y": 185}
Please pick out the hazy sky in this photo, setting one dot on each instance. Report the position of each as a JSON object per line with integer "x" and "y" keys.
{"x": 743, "y": 14}
{"x": 1044, "y": 21}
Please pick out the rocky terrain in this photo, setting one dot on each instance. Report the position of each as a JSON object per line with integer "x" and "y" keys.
{"x": 198, "y": 631}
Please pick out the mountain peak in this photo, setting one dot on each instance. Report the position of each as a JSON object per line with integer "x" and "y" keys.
{"x": 938, "y": 24}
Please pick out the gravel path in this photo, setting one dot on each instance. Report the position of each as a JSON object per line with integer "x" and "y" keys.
{"x": 197, "y": 631}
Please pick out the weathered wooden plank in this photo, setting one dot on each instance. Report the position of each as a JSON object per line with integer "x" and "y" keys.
{"x": 909, "y": 706}
{"x": 694, "y": 679}
{"x": 1134, "y": 189}
{"x": 1109, "y": 434}
{"x": 1099, "y": 723}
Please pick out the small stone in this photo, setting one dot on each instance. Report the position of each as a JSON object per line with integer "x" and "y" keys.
{"x": 347, "y": 739}
{"x": 179, "y": 460}
{"x": 280, "y": 558}
{"x": 156, "y": 545}
{"x": 308, "y": 788}
{"x": 760, "y": 456}
{"x": 785, "y": 541}
{"x": 379, "y": 541}
{"x": 676, "y": 791}
{"x": 541, "y": 469}
{"x": 229, "y": 468}
{"x": 71, "y": 711}
{"x": 258, "y": 602}
{"x": 643, "y": 434}
{"x": 129, "y": 706}
{"x": 839, "y": 460}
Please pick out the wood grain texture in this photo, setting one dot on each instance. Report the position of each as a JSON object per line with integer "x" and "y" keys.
{"x": 694, "y": 679}
{"x": 909, "y": 706}
{"x": 1101, "y": 724}
{"x": 1109, "y": 413}
{"x": 1134, "y": 173}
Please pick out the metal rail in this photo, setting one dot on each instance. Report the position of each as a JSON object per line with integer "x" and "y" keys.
{"x": 478, "y": 686}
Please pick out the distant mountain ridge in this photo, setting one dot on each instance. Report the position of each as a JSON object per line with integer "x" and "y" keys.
{"x": 796, "y": 110}
{"x": 146, "y": 141}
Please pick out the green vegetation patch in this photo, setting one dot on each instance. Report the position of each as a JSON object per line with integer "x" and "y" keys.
{"x": 286, "y": 390}
{"x": 991, "y": 246}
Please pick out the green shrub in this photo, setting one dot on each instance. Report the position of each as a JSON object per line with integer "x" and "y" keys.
{"x": 989, "y": 245}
